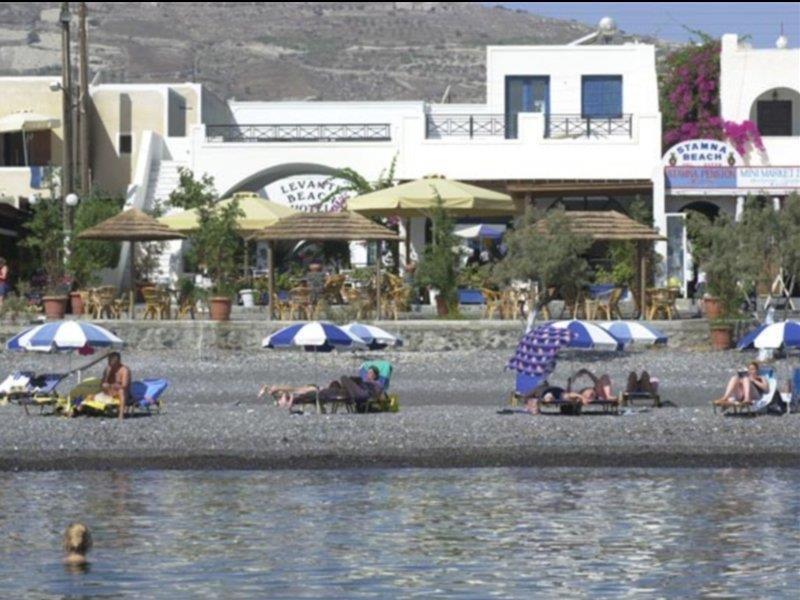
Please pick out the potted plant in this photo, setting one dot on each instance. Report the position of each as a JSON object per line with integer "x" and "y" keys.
{"x": 721, "y": 332}
{"x": 216, "y": 241}
{"x": 46, "y": 240}
{"x": 437, "y": 267}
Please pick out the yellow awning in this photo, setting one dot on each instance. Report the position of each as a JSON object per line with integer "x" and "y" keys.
{"x": 258, "y": 214}
{"x": 419, "y": 197}
{"x": 27, "y": 121}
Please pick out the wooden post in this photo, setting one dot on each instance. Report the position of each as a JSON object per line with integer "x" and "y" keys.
{"x": 378, "y": 280}
{"x": 408, "y": 241}
{"x": 132, "y": 288}
{"x": 642, "y": 280}
{"x": 271, "y": 267}
{"x": 83, "y": 99}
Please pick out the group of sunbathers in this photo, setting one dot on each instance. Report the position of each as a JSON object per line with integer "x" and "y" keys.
{"x": 354, "y": 388}
{"x": 599, "y": 390}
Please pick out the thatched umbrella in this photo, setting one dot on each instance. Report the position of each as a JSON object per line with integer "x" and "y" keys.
{"x": 132, "y": 226}
{"x": 333, "y": 226}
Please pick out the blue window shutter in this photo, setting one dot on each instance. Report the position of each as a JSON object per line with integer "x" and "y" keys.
{"x": 601, "y": 96}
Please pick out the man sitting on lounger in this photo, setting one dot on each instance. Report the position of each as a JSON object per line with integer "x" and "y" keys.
{"x": 745, "y": 387}
{"x": 116, "y": 381}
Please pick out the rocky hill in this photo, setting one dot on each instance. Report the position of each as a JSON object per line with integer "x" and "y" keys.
{"x": 284, "y": 50}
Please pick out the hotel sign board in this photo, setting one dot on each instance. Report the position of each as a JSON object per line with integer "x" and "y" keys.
{"x": 308, "y": 193}
{"x": 714, "y": 167}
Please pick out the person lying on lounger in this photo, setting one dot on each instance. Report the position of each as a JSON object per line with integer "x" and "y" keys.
{"x": 360, "y": 390}
{"x": 745, "y": 387}
{"x": 599, "y": 390}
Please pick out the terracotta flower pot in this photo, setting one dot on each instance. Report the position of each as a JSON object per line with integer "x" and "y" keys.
{"x": 721, "y": 338}
{"x": 76, "y": 303}
{"x": 220, "y": 308}
{"x": 54, "y": 306}
{"x": 712, "y": 307}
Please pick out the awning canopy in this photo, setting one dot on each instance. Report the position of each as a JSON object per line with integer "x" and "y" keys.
{"x": 27, "y": 121}
{"x": 258, "y": 214}
{"x": 415, "y": 198}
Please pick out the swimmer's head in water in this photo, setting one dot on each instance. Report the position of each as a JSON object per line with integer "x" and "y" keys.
{"x": 77, "y": 539}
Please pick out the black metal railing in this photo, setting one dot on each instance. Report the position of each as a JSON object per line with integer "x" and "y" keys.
{"x": 439, "y": 126}
{"x": 578, "y": 126}
{"x": 301, "y": 132}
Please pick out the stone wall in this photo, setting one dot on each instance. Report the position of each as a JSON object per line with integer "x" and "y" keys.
{"x": 428, "y": 335}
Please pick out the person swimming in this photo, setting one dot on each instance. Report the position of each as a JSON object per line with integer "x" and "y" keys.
{"x": 77, "y": 543}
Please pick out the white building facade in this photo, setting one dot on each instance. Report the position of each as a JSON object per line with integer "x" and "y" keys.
{"x": 757, "y": 85}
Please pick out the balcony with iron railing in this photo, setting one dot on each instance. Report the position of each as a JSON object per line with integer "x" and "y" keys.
{"x": 300, "y": 132}
{"x": 556, "y": 126}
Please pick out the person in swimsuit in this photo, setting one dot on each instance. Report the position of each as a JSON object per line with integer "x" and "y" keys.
{"x": 744, "y": 388}
{"x": 77, "y": 543}
{"x": 4, "y": 283}
{"x": 116, "y": 381}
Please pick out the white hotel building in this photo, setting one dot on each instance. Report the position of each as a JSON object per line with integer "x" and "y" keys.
{"x": 576, "y": 125}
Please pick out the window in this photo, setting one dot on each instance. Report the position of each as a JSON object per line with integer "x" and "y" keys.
{"x": 774, "y": 117}
{"x": 125, "y": 143}
{"x": 525, "y": 93}
{"x": 601, "y": 96}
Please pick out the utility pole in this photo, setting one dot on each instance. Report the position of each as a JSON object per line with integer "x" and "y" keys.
{"x": 83, "y": 102}
{"x": 66, "y": 91}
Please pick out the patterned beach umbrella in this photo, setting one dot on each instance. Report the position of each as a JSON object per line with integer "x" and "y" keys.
{"x": 375, "y": 337}
{"x": 536, "y": 351}
{"x": 588, "y": 336}
{"x": 63, "y": 336}
{"x": 314, "y": 336}
{"x": 784, "y": 334}
{"x": 634, "y": 332}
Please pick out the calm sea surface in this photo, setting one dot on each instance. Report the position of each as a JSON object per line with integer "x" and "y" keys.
{"x": 406, "y": 533}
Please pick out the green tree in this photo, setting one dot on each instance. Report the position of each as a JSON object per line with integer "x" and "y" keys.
{"x": 546, "y": 251}
{"x": 87, "y": 257}
{"x": 438, "y": 266}
{"x": 46, "y": 242}
{"x": 216, "y": 241}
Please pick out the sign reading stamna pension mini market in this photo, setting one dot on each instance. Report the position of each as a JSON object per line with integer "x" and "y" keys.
{"x": 712, "y": 166}
{"x": 308, "y": 193}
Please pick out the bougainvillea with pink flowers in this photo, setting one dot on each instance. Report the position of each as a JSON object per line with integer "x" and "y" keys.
{"x": 689, "y": 90}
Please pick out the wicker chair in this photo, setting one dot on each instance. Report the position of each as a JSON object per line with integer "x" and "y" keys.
{"x": 610, "y": 305}
{"x": 493, "y": 303}
{"x": 332, "y": 292}
{"x": 156, "y": 303}
{"x": 106, "y": 304}
{"x": 300, "y": 303}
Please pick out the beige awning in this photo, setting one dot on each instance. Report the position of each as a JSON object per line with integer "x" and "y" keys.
{"x": 27, "y": 121}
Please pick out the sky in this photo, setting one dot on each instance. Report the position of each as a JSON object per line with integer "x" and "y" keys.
{"x": 761, "y": 20}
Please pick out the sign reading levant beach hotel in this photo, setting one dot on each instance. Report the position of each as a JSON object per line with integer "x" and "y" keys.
{"x": 714, "y": 167}
{"x": 307, "y": 193}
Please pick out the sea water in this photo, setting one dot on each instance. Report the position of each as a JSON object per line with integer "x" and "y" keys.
{"x": 468, "y": 533}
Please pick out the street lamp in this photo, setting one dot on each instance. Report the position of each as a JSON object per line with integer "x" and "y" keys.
{"x": 72, "y": 200}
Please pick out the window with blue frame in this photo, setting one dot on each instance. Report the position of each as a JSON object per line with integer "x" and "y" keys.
{"x": 601, "y": 96}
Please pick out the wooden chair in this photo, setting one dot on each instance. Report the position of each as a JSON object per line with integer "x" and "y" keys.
{"x": 610, "y": 305}
{"x": 156, "y": 303}
{"x": 493, "y": 302}
{"x": 662, "y": 301}
{"x": 300, "y": 303}
{"x": 574, "y": 306}
{"x": 87, "y": 297}
{"x": 282, "y": 309}
{"x": 397, "y": 300}
{"x": 361, "y": 299}
{"x": 332, "y": 292}
{"x": 106, "y": 303}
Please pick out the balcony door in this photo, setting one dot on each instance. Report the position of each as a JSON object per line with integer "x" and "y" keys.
{"x": 525, "y": 93}
{"x": 774, "y": 117}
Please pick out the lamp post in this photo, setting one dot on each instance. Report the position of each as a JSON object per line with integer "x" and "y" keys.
{"x": 66, "y": 106}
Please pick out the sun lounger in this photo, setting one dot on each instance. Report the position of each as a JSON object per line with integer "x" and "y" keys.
{"x": 42, "y": 392}
{"x": 631, "y": 398}
{"x": 16, "y": 385}
{"x": 763, "y": 404}
{"x": 145, "y": 395}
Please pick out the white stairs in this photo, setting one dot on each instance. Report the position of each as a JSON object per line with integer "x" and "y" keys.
{"x": 163, "y": 178}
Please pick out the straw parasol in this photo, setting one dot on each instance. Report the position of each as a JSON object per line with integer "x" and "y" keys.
{"x": 331, "y": 226}
{"x": 132, "y": 226}
{"x": 609, "y": 226}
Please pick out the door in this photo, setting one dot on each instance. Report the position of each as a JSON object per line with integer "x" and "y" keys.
{"x": 525, "y": 93}
{"x": 678, "y": 259}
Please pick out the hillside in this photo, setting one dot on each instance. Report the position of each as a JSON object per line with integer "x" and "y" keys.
{"x": 290, "y": 50}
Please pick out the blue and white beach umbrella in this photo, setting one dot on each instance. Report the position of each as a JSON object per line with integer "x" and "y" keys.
{"x": 588, "y": 336}
{"x": 634, "y": 332}
{"x": 536, "y": 351}
{"x": 63, "y": 336}
{"x": 481, "y": 231}
{"x": 784, "y": 334}
{"x": 314, "y": 336}
{"x": 375, "y": 337}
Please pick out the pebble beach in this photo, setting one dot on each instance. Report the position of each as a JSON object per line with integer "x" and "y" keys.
{"x": 448, "y": 417}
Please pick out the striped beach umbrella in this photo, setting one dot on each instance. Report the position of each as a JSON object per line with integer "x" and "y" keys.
{"x": 375, "y": 337}
{"x": 785, "y": 334}
{"x": 481, "y": 231}
{"x": 314, "y": 336}
{"x": 634, "y": 332}
{"x": 588, "y": 336}
{"x": 536, "y": 351}
{"x": 63, "y": 336}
